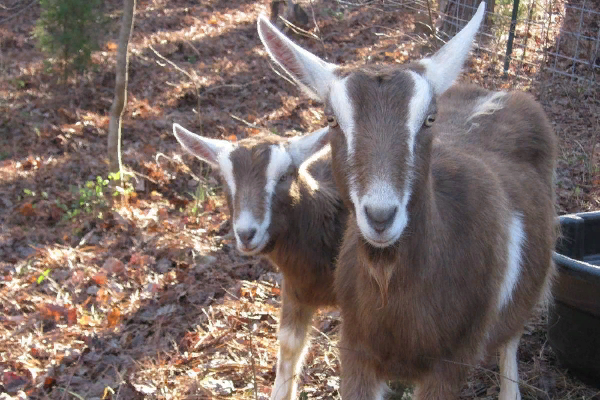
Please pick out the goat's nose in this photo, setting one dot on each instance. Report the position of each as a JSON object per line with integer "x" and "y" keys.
{"x": 246, "y": 235}
{"x": 380, "y": 218}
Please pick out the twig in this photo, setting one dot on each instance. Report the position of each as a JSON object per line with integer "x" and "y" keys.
{"x": 298, "y": 30}
{"x": 252, "y": 364}
{"x": 66, "y": 389}
{"x": 312, "y": 10}
{"x": 178, "y": 68}
{"x": 250, "y": 124}
{"x": 18, "y": 12}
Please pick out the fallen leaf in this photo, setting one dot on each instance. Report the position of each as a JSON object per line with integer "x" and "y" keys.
{"x": 85, "y": 320}
{"x": 27, "y": 210}
{"x": 71, "y": 316}
{"x": 212, "y": 21}
{"x": 99, "y": 279}
{"x": 232, "y": 138}
{"x": 52, "y": 311}
{"x": 113, "y": 317}
{"x": 111, "y": 46}
{"x": 254, "y": 131}
{"x": 12, "y": 381}
{"x": 49, "y": 382}
{"x": 113, "y": 266}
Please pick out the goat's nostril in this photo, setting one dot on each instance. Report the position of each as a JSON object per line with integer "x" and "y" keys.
{"x": 246, "y": 235}
{"x": 380, "y": 218}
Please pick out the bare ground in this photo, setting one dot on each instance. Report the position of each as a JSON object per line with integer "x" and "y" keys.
{"x": 143, "y": 296}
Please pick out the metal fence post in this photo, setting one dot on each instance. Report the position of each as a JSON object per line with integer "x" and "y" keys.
{"x": 511, "y": 36}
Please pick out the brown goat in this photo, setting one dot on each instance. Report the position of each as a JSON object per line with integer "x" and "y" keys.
{"x": 448, "y": 247}
{"x": 284, "y": 205}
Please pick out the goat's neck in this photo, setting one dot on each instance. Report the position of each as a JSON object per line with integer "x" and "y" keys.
{"x": 312, "y": 223}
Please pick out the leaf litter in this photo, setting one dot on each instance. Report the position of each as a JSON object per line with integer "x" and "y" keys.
{"x": 145, "y": 296}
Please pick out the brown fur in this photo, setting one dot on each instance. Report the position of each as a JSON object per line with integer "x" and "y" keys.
{"x": 445, "y": 271}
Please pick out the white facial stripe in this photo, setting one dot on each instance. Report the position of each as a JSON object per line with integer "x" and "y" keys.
{"x": 516, "y": 240}
{"x": 417, "y": 108}
{"x": 381, "y": 193}
{"x": 279, "y": 162}
{"x": 340, "y": 101}
{"x": 344, "y": 110}
{"x": 226, "y": 167}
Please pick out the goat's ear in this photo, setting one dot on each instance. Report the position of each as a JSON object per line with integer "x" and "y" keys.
{"x": 205, "y": 149}
{"x": 443, "y": 67}
{"x": 302, "y": 147}
{"x": 314, "y": 75}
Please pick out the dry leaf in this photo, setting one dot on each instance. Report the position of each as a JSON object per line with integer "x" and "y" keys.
{"x": 99, "y": 279}
{"x": 113, "y": 266}
{"x": 52, "y": 311}
{"x": 111, "y": 46}
{"x": 113, "y": 317}
{"x": 27, "y": 210}
{"x": 85, "y": 320}
{"x": 212, "y": 21}
{"x": 71, "y": 316}
{"x": 49, "y": 383}
{"x": 232, "y": 138}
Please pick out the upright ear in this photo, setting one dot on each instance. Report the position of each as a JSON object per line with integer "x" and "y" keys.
{"x": 314, "y": 75}
{"x": 301, "y": 148}
{"x": 205, "y": 149}
{"x": 443, "y": 67}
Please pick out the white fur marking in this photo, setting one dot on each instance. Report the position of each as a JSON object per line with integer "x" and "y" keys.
{"x": 488, "y": 105}
{"x": 342, "y": 106}
{"x": 226, "y": 167}
{"x": 516, "y": 240}
{"x": 279, "y": 161}
{"x": 509, "y": 371}
{"x": 285, "y": 387}
{"x": 381, "y": 194}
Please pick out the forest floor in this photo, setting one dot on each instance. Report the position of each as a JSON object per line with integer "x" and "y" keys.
{"x": 143, "y": 295}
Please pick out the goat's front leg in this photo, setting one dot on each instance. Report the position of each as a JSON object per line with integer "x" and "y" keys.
{"x": 294, "y": 323}
{"x": 359, "y": 380}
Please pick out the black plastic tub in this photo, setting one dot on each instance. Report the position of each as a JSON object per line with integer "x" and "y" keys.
{"x": 574, "y": 319}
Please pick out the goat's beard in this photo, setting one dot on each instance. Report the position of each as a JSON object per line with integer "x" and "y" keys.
{"x": 380, "y": 265}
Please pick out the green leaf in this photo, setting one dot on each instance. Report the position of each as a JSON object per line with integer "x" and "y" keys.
{"x": 28, "y": 192}
{"x": 43, "y": 276}
{"x": 45, "y": 195}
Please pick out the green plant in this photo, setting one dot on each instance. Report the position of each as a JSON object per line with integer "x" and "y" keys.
{"x": 43, "y": 276}
{"x": 200, "y": 195}
{"x": 88, "y": 199}
{"x": 68, "y": 30}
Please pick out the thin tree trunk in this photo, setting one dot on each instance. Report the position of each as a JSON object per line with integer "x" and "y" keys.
{"x": 116, "y": 111}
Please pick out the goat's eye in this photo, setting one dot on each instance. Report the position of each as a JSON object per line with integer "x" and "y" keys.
{"x": 332, "y": 121}
{"x": 429, "y": 120}
{"x": 285, "y": 177}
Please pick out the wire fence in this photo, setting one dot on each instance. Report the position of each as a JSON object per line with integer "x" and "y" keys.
{"x": 560, "y": 36}
{"x": 523, "y": 38}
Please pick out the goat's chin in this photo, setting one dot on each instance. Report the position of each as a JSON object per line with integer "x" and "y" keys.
{"x": 380, "y": 241}
{"x": 257, "y": 249}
